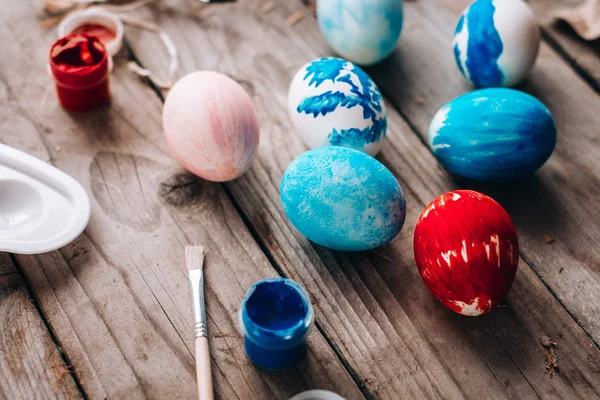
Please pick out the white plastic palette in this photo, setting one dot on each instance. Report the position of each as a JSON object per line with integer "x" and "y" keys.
{"x": 41, "y": 207}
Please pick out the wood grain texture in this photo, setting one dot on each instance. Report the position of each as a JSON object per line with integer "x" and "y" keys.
{"x": 583, "y": 55}
{"x": 372, "y": 305}
{"x": 30, "y": 363}
{"x": 562, "y": 200}
{"x": 118, "y": 298}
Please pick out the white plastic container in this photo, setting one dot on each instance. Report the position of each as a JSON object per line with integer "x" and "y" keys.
{"x": 94, "y": 16}
{"x": 317, "y": 394}
{"x": 41, "y": 207}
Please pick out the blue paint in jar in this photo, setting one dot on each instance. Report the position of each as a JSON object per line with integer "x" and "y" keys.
{"x": 276, "y": 317}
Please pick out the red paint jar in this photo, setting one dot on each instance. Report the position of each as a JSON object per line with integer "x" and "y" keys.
{"x": 100, "y": 31}
{"x": 80, "y": 66}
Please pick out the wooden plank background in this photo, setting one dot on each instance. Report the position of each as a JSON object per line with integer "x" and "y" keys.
{"x": 582, "y": 55}
{"x": 243, "y": 58}
{"x": 31, "y": 365}
{"x": 117, "y": 298}
{"x": 562, "y": 199}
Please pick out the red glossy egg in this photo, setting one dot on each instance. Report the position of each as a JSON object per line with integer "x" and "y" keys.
{"x": 467, "y": 251}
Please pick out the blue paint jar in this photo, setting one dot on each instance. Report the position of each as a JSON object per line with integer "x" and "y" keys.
{"x": 276, "y": 317}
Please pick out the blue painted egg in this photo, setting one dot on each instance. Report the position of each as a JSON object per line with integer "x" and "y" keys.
{"x": 332, "y": 102}
{"x": 496, "y": 42}
{"x": 342, "y": 199}
{"x": 363, "y": 31}
{"x": 493, "y": 134}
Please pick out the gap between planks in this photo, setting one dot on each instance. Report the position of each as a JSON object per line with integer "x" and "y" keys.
{"x": 31, "y": 361}
{"x": 51, "y": 333}
{"x": 559, "y": 301}
{"x": 580, "y": 54}
{"x": 570, "y": 60}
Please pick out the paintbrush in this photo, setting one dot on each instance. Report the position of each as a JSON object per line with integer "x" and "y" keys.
{"x": 194, "y": 257}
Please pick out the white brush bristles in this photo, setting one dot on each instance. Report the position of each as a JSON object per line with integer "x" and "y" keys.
{"x": 194, "y": 257}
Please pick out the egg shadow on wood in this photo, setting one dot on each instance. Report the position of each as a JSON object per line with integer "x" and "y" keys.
{"x": 390, "y": 290}
{"x": 99, "y": 126}
{"x": 503, "y": 325}
{"x": 389, "y": 69}
{"x": 392, "y": 74}
{"x": 530, "y": 203}
{"x": 374, "y": 274}
{"x": 566, "y": 30}
{"x": 528, "y": 85}
{"x": 182, "y": 189}
{"x": 389, "y": 72}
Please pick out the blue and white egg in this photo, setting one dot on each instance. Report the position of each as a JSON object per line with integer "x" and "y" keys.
{"x": 493, "y": 134}
{"x": 363, "y": 31}
{"x": 333, "y": 102}
{"x": 496, "y": 42}
{"x": 342, "y": 199}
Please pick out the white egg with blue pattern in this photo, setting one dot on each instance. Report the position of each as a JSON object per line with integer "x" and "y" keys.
{"x": 496, "y": 42}
{"x": 333, "y": 102}
{"x": 363, "y": 31}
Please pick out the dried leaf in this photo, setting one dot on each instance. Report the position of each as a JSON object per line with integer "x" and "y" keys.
{"x": 295, "y": 18}
{"x": 57, "y": 6}
{"x": 584, "y": 19}
{"x": 60, "y": 15}
{"x": 551, "y": 359}
{"x": 220, "y": 335}
{"x": 549, "y": 239}
{"x": 311, "y": 6}
{"x": 268, "y": 6}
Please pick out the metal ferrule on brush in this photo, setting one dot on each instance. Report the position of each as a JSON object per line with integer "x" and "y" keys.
{"x": 197, "y": 283}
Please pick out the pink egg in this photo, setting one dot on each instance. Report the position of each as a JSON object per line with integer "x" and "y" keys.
{"x": 211, "y": 125}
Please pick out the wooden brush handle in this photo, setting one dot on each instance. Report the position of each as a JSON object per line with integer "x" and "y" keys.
{"x": 203, "y": 373}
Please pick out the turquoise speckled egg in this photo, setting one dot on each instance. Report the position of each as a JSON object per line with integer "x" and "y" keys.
{"x": 493, "y": 135}
{"x": 342, "y": 199}
{"x": 362, "y": 31}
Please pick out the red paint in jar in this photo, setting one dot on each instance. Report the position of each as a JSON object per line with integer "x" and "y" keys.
{"x": 103, "y": 33}
{"x": 80, "y": 67}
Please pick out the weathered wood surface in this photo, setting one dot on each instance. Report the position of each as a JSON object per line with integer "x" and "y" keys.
{"x": 30, "y": 363}
{"x": 118, "y": 298}
{"x": 373, "y": 306}
{"x": 562, "y": 200}
{"x": 583, "y": 55}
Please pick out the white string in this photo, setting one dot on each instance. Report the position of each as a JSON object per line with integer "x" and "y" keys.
{"x": 169, "y": 46}
{"x": 64, "y": 5}
{"x": 126, "y": 7}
